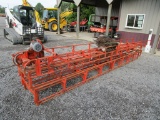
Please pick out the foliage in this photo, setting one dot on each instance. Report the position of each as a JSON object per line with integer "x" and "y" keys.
{"x": 85, "y": 11}
{"x": 65, "y": 6}
{"x": 55, "y": 6}
{"x": 39, "y": 7}
{"x": 2, "y": 10}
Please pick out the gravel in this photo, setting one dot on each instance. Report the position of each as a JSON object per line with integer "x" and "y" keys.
{"x": 129, "y": 93}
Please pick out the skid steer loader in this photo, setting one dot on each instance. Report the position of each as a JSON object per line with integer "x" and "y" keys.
{"x": 21, "y": 25}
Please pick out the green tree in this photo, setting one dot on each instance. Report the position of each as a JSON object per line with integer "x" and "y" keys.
{"x": 65, "y": 6}
{"x": 55, "y": 6}
{"x": 85, "y": 12}
{"x": 2, "y": 10}
{"x": 39, "y": 7}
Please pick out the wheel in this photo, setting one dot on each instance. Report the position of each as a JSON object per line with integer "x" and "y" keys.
{"x": 53, "y": 26}
{"x": 17, "y": 60}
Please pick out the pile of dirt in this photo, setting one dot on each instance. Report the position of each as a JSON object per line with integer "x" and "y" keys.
{"x": 106, "y": 43}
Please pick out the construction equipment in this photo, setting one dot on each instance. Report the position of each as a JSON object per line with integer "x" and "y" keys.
{"x": 36, "y": 14}
{"x": 97, "y": 24}
{"x": 50, "y": 19}
{"x": 22, "y": 26}
{"x": 96, "y": 21}
{"x": 92, "y": 19}
{"x": 73, "y": 25}
{"x": 46, "y": 73}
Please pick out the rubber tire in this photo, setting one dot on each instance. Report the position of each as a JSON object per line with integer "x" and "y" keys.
{"x": 50, "y": 26}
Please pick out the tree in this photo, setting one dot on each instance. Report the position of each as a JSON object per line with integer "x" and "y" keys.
{"x": 55, "y": 6}
{"x": 65, "y": 6}
{"x": 2, "y": 10}
{"x": 85, "y": 12}
{"x": 39, "y": 7}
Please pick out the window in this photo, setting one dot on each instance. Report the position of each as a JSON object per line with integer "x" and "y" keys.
{"x": 135, "y": 21}
{"x": 23, "y": 13}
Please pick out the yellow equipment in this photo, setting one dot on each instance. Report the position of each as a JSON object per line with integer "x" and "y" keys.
{"x": 50, "y": 19}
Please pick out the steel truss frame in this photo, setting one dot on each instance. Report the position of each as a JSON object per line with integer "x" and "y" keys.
{"x": 55, "y": 74}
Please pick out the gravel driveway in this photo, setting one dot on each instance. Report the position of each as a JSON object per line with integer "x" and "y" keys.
{"x": 131, "y": 92}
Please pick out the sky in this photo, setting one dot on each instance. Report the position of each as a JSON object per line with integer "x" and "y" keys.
{"x": 11, "y": 3}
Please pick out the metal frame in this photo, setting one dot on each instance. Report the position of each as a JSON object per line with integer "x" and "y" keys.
{"x": 55, "y": 74}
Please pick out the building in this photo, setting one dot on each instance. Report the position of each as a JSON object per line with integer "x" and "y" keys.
{"x": 136, "y": 17}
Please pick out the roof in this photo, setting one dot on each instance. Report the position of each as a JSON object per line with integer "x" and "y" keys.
{"x": 87, "y": 2}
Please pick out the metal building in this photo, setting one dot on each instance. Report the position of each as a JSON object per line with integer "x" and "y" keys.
{"x": 136, "y": 17}
{"x": 148, "y": 15}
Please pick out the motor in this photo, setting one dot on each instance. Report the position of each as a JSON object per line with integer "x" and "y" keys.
{"x": 36, "y": 50}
